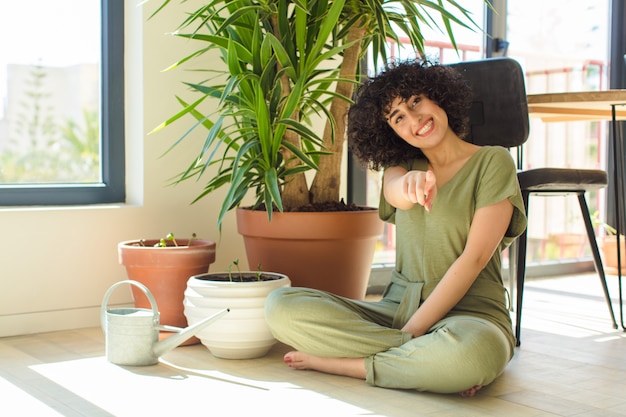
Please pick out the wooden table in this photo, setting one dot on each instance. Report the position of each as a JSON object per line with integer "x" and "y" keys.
{"x": 577, "y": 106}
{"x": 607, "y": 105}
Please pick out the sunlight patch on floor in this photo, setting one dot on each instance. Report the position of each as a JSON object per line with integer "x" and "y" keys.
{"x": 131, "y": 391}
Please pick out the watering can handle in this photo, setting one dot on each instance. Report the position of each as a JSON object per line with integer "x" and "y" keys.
{"x": 146, "y": 291}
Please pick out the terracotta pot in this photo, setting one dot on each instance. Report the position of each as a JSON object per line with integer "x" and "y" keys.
{"x": 243, "y": 332}
{"x": 330, "y": 251}
{"x": 165, "y": 271}
{"x": 608, "y": 247}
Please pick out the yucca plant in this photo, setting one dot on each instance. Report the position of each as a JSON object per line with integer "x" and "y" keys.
{"x": 286, "y": 64}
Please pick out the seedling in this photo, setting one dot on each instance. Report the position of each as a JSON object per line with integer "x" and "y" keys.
{"x": 162, "y": 243}
{"x": 235, "y": 263}
{"x": 230, "y": 267}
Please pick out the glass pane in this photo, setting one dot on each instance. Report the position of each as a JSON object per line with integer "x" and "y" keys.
{"x": 562, "y": 48}
{"x": 50, "y": 91}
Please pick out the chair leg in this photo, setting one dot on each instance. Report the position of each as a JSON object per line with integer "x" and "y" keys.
{"x": 597, "y": 261}
{"x": 520, "y": 257}
{"x": 512, "y": 273}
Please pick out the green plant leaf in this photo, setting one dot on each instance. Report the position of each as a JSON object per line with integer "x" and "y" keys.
{"x": 178, "y": 115}
{"x": 327, "y": 26}
{"x": 215, "y": 41}
{"x": 271, "y": 184}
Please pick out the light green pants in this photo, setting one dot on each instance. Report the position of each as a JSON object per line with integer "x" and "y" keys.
{"x": 456, "y": 354}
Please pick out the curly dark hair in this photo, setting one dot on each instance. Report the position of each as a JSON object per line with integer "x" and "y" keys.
{"x": 370, "y": 137}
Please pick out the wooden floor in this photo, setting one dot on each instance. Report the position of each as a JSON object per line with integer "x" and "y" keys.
{"x": 571, "y": 363}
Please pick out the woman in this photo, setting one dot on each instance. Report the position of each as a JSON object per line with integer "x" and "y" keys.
{"x": 442, "y": 324}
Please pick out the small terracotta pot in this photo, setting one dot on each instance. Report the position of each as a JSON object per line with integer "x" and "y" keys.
{"x": 331, "y": 251}
{"x": 608, "y": 247}
{"x": 165, "y": 272}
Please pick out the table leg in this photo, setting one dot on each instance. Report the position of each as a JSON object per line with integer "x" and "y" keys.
{"x": 618, "y": 189}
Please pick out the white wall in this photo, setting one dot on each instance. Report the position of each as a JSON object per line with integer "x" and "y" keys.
{"x": 56, "y": 263}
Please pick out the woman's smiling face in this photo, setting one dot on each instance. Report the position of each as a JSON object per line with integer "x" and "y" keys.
{"x": 418, "y": 120}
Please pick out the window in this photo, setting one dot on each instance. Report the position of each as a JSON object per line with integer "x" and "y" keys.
{"x": 62, "y": 109}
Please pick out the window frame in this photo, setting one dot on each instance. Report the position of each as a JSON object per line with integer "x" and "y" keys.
{"x": 111, "y": 189}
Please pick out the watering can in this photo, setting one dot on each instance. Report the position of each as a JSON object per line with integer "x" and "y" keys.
{"x": 132, "y": 334}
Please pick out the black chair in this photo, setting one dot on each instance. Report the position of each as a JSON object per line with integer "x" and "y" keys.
{"x": 499, "y": 116}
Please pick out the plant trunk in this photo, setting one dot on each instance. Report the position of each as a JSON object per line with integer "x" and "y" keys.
{"x": 295, "y": 192}
{"x": 327, "y": 181}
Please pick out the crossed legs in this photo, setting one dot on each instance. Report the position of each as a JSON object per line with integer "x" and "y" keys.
{"x": 352, "y": 338}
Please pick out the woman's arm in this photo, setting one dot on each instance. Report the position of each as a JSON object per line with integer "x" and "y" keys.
{"x": 403, "y": 189}
{"x": 487, "y": 230}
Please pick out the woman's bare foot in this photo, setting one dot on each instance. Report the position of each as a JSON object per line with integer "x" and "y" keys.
{"x": 299, "y": 360}
{"x": 470, "y": 392}
{"x": 352, "y": 367}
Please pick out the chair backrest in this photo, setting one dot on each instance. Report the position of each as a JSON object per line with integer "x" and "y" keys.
{"x": 499, "y": 113}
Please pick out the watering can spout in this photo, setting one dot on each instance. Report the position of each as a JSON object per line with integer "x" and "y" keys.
{"x": 181, "y": 335}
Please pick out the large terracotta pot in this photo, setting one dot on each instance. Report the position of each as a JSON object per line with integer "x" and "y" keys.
{"x": 608, "y": 247}
{"x": 165, "y": 271}
{"x": 330, "y": 251}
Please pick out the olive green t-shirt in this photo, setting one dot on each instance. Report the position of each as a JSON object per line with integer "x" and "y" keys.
{"x": 427, "y": 243}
